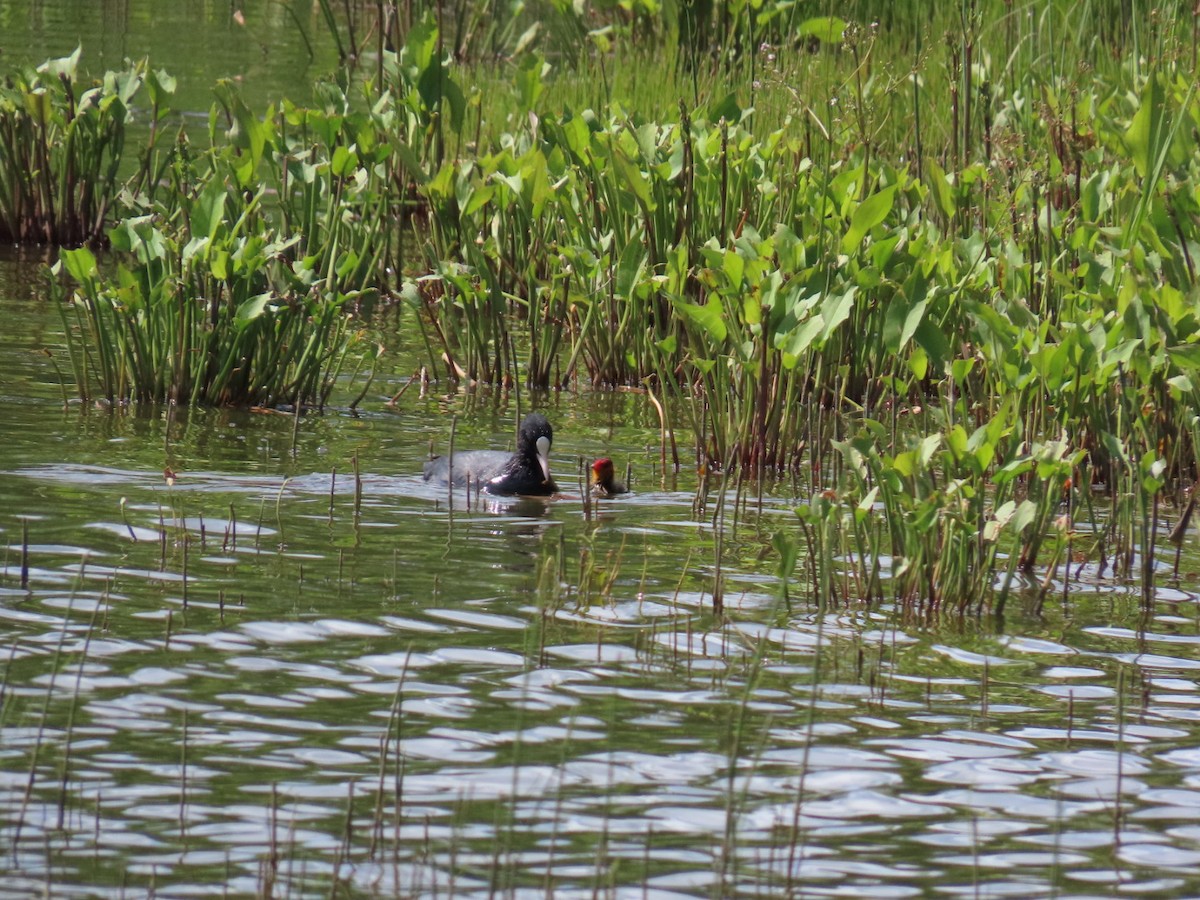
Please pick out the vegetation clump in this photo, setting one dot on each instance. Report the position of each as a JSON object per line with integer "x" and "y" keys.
{"x": 972, "y": 220}
{"x": 62, "y": 145}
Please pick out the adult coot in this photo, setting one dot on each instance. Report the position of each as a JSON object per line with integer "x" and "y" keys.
{"x": 525, "y": 472}
{"x": 604, "y": 483}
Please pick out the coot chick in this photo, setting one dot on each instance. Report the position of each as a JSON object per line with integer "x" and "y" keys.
{"x": 604, "y": 483}
{"x": 525, "y": 472}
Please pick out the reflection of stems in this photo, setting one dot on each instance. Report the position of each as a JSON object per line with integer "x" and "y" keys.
{"x": 43, "y": 718}
{"x": 74, "y": 705}
{"x": 278, "y": 517}
{"x": 664, "y": 433}
{"x": 1179, "y": 532}
{"x": 332, "y": 485}
{"x": 357, "y": 487}
{"x": 300, "y": 29}
{"x": 1117, "y": 810}
{"x": 183, "y": 784}
{"x": 24, "y": 554}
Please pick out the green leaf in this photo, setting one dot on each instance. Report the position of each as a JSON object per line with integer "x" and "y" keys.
{"x": 1145, "y": 134}
{"x": 1025, "y": 515}
{"x": 827, "y": 29}
{"x": 726, "y": 108}
{"x": 1186, "y": 356}
{"x": 929, "y": 336}
{"x": 530, "y": 74}
{"x": 709, "y": 316}
{"x": 421, "y": 44}
{"x": 65, "y": 65}
{"x": 939, "y": 185}
{"x": 1002, "y": 516}
{"x": 918, "y": 362}
{"x": 800, "y": 339}
{"x": 208, "y": 212}
{"x": 80, "y": 264}
{"x": 630, "y": 268}
{"x": 870, "y": 212}
{"x": 632, "y": 178}
{"x": 37, "y": 105}
{"x": 344, "y": 161}
{"x": 928, "y": 447}
{"x": 733, "y": 265}
{"x": 836, "y": 309}
{"x": 252, "y": 309}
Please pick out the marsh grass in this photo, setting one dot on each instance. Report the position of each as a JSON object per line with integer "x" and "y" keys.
{"x": 206, "y": 311}
{"x": 63, "y": 144}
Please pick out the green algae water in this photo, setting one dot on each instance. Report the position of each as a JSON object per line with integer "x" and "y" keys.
{"x": 267, "y": 49}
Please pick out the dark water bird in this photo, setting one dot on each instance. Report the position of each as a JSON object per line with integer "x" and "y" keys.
{"x": 525, "y": 472}
{"x": 604, "y": 482}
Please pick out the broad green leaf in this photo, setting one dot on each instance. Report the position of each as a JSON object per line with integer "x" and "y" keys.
{"x": 956, "y": 441}
{"x": 252, "y": 309}
{"x": 800, "y": 339}
{"x": 929, "y": 336}
{"x": 1147, "y": 130}
{"x": 726, "y": 108}
{"x": 836, "y": 309}
{"x": 161, "y": 87}
{"x": 530, "y": 72}
{"x": 344, "y": 161}
{"x": 939, "y": 185}
{"x": 870, "y": 212}
{"x": 734, "y": 266}
{"x": 630, "y": 268}
{"x": 37, "y": 104}
{"x": 866, "y": 503}
{"x": 208, "y": 211}
{"x": 928, "y": 447}
{"x": 905, "y": 463}
{"x": 632, "y": 178}
{"x": 1002, "y": 516}
{"x": 827, "y": 29}
{"x": 918, "y": 363}
{"x": 477, "y": 198}
{"x": 1186, "y": 356}
{"x": 421, "y": 44}
{"x": 1025, "y": 516}
{"x": 65, "y": 65}
{"x": 80, "y": 264}
{"x": 709, "y": 316}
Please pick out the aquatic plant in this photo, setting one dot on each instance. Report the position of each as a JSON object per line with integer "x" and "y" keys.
{"x": 63, "y": 144}
{"x": 208, "y": 311}
{"x": 808, "y": 234}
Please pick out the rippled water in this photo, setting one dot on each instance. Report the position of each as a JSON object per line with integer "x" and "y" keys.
{"x": 233, "y": 681}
